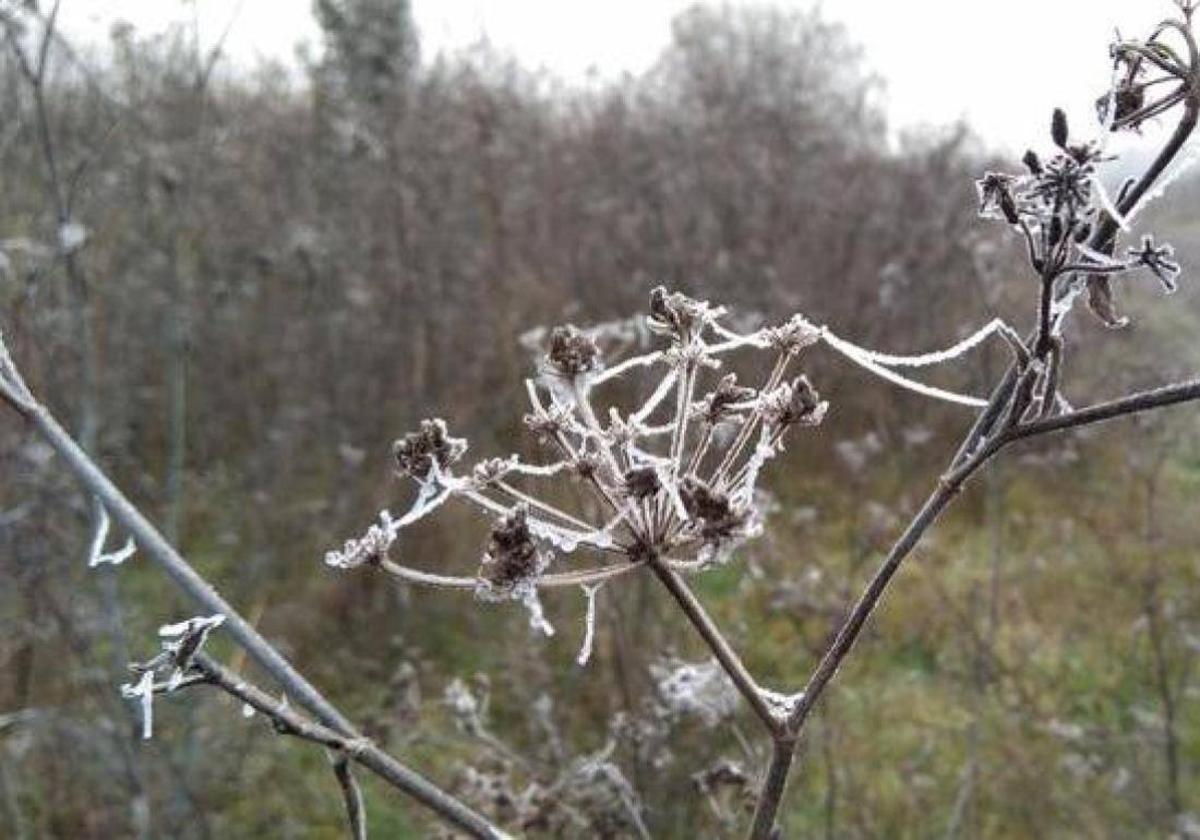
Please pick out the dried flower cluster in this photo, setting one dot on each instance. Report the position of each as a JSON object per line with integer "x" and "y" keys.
{"x": 673, "y": 477}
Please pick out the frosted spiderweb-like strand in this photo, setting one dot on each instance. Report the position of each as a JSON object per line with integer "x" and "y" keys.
{"x": 925, "y": 359}
{"x": 865, "y": 360}
{"x": 619, "y": 369}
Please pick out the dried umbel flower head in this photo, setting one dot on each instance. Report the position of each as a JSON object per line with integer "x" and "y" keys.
{"x": 419, "y": 452}
{"x": 642, "y": 482}
{"x": 667, "y": 486}
{"x": 673, "y": 476}
{"x": 1070, "y": 223}
{"x": 795, "y": 403}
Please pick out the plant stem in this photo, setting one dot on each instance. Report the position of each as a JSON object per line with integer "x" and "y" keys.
{"x": 717, "y": 643}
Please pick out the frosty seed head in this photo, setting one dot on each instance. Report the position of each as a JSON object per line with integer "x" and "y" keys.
{"x": 572, "y": 352}
{"x": 719, "y": 404}
{"x": 641, "y": 482}
{"x": 711, "y": 510}
{"x": 512, "y": 556}
{"x": 418, "y": 452}
{"x": 793, "y": 336}
{"x": 676, "y": 315}
{"x": 793, "y": 404}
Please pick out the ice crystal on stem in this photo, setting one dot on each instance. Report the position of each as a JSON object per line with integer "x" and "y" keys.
{"x": 181, "y": 642}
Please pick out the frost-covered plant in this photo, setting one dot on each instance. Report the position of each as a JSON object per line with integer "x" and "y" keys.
{"x": 672, "y": 476}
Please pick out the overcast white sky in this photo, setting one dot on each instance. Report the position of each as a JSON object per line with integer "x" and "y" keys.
{"x": 1000, "y": 64}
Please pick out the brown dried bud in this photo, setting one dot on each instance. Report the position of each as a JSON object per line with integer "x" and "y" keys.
{"x": 718, "y": 405}
{"x": 1009, "y": 208}
{"x": 573, "y": 352}
{"x": 587, "y": 465}
{"x": 512, "y": 556}
{"x": 711, "y": 508}
{"x": 641, "y": 482}
{"x": 1032, "y": 162}
{"x": 796, "y": 403}
{"x": 675, "y": 314}
{"x": 417, "y": 452}
{"x": 1059, "y": 130}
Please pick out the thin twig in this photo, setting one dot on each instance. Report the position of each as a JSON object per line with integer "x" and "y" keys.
{"x": 352, "y": 795}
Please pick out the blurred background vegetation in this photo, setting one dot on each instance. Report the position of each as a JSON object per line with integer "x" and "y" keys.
{"x": 283, "y": 274}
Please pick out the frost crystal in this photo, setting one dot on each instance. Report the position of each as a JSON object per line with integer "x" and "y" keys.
{"x": 371, "y": 547}
{"x": 96, "y": 554}
{"x": 181, "y": 643}
{"x": 589, "y": 626}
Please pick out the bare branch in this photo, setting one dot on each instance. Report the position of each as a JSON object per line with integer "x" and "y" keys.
{"x": 264, "y": 653}
{"x": 352, "y": 794}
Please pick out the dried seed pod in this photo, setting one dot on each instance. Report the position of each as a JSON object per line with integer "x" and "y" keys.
{"x": 1059, "y": 130}
{"x": 572, "y": 352}
{"x": 1032, "y": 162}
{"x": 675, "y": 314}
{"x": 797, "y": 403}
{"x": 718, "y": 405}
{"x": 417, "y": 452}
{"x": 793, "y": 336}
{"x": 512, "y": 556}
{"x": 1009, "y": 208}
{"x": 711, "y": 509}
{"x": 587, "y": 465}
{"x": 641, "y": 482}
{"x": 490, "y": 470}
